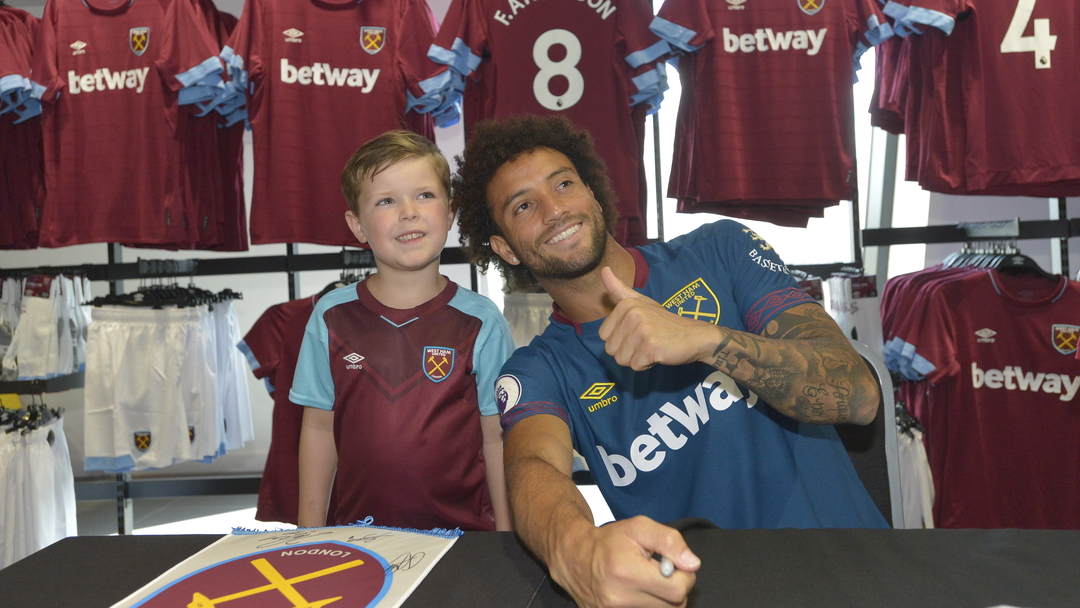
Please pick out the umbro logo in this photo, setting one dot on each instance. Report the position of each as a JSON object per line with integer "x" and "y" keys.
{"x": 986, "y": 335}
{"x": 78, "y": 47}
{"x": 293, "y": 35}
{"x": 597, "y": 392}
{"x": 736, "y": 5}
{"x": 354, "y": 361}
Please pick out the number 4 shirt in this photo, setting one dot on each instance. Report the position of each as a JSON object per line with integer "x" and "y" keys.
{"x": 1017, "y": 73}
{"x": 568, "y": 58}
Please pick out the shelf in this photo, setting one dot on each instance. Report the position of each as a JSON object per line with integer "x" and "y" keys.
{"x": 49, "y": 385}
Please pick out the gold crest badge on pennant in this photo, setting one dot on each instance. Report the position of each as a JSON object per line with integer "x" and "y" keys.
{"x": 1064, "y": 338}
{"x": 811, "y": 7}
{"x": 372, "y": 39}
{"x": 139, "y": 40}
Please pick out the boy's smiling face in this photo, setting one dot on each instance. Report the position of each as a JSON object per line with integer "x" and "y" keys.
{"x": 404, "y": 216}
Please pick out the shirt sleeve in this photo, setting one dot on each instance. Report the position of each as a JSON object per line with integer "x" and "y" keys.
{"x": 262, "y": 345}
{"x": 494, "y": 346}
{"x": 313, "y": 385}
{"x": 244, "y": 52}
{"x": 14, "y": 74}
{"x": 914, "y": 14}
{"x": 46, "y": 77}
{"x": 761, "y": 283}
{"x": 190, "y": 54}
{"x": 454, "y": 55}
{"x": 418, "y": 34}
{"x": 528, "y": 387}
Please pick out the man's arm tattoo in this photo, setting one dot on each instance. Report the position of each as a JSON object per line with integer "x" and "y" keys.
{"x": 801, "y": 365}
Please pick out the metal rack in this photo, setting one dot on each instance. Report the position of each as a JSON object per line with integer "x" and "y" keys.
{"x": 879, "y": 232}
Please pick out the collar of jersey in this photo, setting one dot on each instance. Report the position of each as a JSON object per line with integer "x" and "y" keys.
{"x": 336, "y": 3}
{"x": 1006, "y": 291}
{"x": 401, "y": 316}
{"x": 641, "y": 277}
{"x": 108, "y": 6}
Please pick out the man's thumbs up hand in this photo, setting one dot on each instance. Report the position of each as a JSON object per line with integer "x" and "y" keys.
{"x": 639, "y": 333}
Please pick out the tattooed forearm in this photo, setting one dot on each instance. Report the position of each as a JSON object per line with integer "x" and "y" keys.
{"x": 802, "y": 366}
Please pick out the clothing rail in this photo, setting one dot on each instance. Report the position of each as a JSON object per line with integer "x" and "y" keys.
{"x": 1032, "y": 229}
{"x": 347, "y": 258}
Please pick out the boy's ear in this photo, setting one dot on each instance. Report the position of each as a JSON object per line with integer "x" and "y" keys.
{"x": 355, "y": 227}
{"x": 451, "y": 213}
{"x": 502, "y": 248}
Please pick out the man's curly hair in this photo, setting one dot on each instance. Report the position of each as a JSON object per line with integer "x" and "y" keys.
{"x": 494, "y": 143}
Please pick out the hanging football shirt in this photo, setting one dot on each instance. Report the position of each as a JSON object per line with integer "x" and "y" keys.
{"x": 271, "y": 347}
{"x": 1001, "y": 409}
{"x": 109, "y": 72}
{"x": 322, "y": 79}
{"x": 766, "y": 125}
{"x": 1005, "y": 79}
{"x": 588, "y": 61}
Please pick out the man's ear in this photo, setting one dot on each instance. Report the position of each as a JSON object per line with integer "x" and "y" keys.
{"x": 355, "y": 227}
{"x": 503, "y": 250}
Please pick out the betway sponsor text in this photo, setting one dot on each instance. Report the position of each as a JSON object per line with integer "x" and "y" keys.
{"x": 322, "y": 74}
{"x": 1013, "y": 378}
{"x": 644, "y": 451}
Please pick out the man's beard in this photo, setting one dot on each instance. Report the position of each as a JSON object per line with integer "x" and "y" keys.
{"x": 544, "y": 267}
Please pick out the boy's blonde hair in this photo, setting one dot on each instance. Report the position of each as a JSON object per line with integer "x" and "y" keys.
{"x": 385, "y": 150}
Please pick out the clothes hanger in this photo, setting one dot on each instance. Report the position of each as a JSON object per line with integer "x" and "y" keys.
{"x": 1013, "y": 262}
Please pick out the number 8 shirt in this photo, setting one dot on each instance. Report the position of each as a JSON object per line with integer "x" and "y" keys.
{"x": 568, "y": 58}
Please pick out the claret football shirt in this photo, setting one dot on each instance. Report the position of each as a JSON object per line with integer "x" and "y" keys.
{"x": 593, "y": 62}
{"x": 108, "y": 73}
{"x": 322, "y": 78}
{"x": 766, "y": 122}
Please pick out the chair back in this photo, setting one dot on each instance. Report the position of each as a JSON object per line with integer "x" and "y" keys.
{"x": 873, "y": 447}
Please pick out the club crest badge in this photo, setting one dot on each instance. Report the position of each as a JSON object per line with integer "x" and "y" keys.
{"x": 304, "y": 574}
{"x": 372, "y": 39}
{"x": 191, "y": 434}
{"x": 1064, "y": 338}
{"x": 438, "y": 362}
{"x": 142, "y": 440}
{"x": 695, "y": 301}
{"x": 139, "y": 40}
{"x": 811, "y": 7}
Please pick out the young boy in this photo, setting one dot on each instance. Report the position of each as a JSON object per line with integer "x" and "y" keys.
{"x": 397, "y": 372}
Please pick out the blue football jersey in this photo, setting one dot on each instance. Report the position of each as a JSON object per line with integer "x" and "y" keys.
{"x": 688, "y": 441}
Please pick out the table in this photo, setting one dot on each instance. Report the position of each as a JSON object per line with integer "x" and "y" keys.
{"x": 774, "y": 568}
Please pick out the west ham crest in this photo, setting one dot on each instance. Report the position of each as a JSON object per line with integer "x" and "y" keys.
{"x": 142, "y": 440}
{"x": 309, "y": 574}
{"x": 191, "y": 434}
{"x": 372, "y": 39}
{"x": 1064, "y": 337}
{"x": 695, "y": 301}
{"x": 139, "y": 39}
{"x": 438, "y": 362}
{"x": 811, "y": 7}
